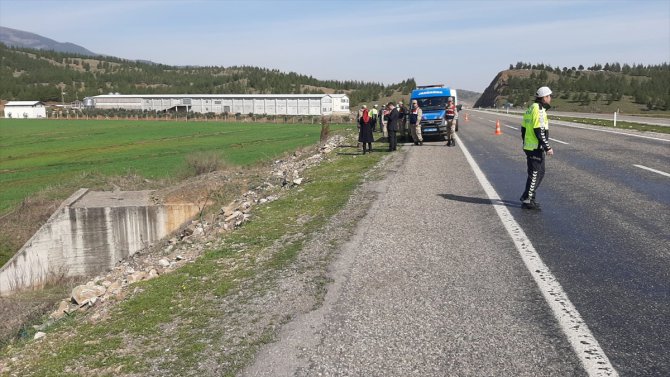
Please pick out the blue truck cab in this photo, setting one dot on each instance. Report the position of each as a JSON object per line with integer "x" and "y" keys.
{"x": 432, "y": 100}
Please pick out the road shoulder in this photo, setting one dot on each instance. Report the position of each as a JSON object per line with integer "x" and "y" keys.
{"x": 427, "y": 283}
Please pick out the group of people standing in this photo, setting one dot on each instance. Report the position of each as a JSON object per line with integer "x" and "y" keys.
{"x": 395, "y": 118}
{"x": 534, "y": 133}
{"x": 390, "y": 120}
{"x": 416, "y": 113}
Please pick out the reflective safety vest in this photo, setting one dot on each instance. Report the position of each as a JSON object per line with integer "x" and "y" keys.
{"x": 373, "y": 113}
{"x": 535, "y": 117}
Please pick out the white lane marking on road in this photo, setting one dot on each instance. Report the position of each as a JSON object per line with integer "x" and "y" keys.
{"x": 562, "y": 123}
{"x": 585, "y": 345}
{"x": 654, "y": 170}
{"x": 558, "y": 141}
{"x": 609, "y": 131}
{"x": 551, "y": 138}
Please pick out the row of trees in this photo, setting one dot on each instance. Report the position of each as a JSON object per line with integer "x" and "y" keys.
{"x": 55, "y": 113}
{"x": 29, "y": 74}
{"x": 633, "y": 70}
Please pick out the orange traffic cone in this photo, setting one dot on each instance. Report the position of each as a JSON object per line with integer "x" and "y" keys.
{"x": 466, "y": 117}
{"x": 498, "y": 132}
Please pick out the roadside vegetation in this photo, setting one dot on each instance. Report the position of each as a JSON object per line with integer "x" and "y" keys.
{"x": 207, "y": 317}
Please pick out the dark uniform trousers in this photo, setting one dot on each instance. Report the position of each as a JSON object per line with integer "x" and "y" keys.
{"x": 393, "y": 140}
{"x": 535, "y": 162}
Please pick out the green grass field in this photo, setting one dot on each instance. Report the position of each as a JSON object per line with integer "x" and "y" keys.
{"x": 35, "y": 154}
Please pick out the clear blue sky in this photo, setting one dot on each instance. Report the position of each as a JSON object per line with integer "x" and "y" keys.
{"x": 463, "y": 44}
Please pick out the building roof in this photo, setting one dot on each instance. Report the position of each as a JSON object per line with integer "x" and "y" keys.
{"x": 314, "y": 96}
{"x": 23, "y": 103}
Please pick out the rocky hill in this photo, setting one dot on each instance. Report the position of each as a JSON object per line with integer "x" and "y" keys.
{"x": 633, "y": 88}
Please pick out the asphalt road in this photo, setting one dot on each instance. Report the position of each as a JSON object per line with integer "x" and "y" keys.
{"x": 432, "y": 284}
{"x": 603, "y": 230}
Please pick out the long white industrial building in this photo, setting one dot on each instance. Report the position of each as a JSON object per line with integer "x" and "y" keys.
{"x": 270, "y": 104}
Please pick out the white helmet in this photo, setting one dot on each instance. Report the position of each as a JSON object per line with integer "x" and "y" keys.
{"x": 543, "y": 92}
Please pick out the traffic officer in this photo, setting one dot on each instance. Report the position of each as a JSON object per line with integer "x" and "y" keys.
{"x": 415, "y": 123}
{"x": 535, "y": 135}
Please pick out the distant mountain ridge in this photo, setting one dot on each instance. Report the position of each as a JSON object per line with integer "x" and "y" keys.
{"x": 20, "y": 38}
{"x": 39, "y": 68}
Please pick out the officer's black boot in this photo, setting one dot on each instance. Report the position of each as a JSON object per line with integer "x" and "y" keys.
{"x": 530, "y": 205}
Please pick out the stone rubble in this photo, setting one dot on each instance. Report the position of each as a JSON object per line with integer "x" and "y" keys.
{"x": 189, "y": 243}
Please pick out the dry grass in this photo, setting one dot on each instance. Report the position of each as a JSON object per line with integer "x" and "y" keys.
{"x": 20, "y": 311}
{"x": 199, "y": 163}
{"x": 18, "y": 226}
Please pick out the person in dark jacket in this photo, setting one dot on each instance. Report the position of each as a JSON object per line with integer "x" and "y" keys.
{"x": 392, "y": 126}
{"x": 365, "y": 131}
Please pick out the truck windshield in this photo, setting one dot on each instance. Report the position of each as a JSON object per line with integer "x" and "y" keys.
{"x": 432, "y": 103}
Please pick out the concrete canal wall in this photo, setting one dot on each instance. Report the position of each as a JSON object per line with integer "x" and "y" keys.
{"x": 89, "y": 233}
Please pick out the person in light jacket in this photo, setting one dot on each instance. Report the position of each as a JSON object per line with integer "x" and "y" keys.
{"x": 450, "y": 113}
{"x": 415, "y": 115}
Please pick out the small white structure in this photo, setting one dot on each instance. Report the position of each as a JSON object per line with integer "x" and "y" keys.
{"x": 25, "y": 110}
{"x": 269, "y": 104}
{"x": 340, "y": 103}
